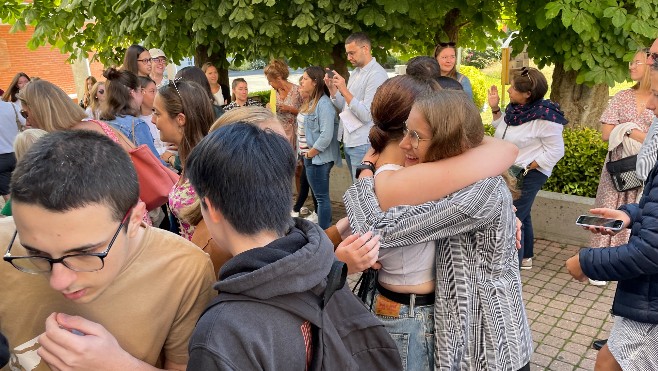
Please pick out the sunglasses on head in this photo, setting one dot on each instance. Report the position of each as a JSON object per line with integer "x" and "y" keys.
{"x": 101, "y": 91}
{"x": 653, "y": 56}
{"x": 525, "y": 72}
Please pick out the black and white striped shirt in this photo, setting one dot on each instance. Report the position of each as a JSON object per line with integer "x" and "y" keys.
{"x": 480, "y": 319}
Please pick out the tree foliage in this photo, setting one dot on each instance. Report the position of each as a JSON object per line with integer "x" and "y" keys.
{"x": 594, "y": 38}
{"x": 304, "y": 31}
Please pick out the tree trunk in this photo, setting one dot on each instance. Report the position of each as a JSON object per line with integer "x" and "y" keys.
{"x": 582, "y": 105}
{"x": 340, "y": 62}
{"x": 218, "y": 59}
{"x": 450, "y": 27}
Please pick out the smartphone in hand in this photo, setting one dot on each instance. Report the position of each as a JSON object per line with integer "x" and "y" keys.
{"x": 330, "y": 73}
{"x": 595, "y": 221}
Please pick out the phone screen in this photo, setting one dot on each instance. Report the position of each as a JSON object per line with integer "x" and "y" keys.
{"x": 599, "y": 222}
{"x": 330, "y": 74}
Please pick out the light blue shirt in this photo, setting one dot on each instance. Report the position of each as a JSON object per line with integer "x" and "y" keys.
{"x": 320, "y": 129}
{"x": 363, "y": 85}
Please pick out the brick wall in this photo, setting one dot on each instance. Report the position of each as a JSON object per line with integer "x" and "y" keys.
{"x": 44, "y": 62}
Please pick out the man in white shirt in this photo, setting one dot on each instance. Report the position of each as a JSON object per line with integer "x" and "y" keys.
{"x": 355, "y": 98}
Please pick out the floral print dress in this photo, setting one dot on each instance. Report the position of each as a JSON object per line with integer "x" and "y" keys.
{"x": 181, "y": 196}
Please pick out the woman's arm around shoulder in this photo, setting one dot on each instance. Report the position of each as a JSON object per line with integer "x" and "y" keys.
{"x": 424, "y": 182}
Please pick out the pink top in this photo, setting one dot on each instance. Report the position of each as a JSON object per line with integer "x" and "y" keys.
{"x": 623, "y": 108}
{"x": 181, "y": 196}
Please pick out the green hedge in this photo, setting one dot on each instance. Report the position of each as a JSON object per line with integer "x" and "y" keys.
{"x": 579, "y": 171}
{"x": 263, "y": 95}
{"x": 478, "y": 83}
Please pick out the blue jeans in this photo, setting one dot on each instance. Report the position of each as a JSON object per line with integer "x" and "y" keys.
{"x": 414, "y": 336}
{"x": 353, "y": 158}
{"x": 532, "y": 183}
{"x": 318, "y": 179}
{"x": 303, "y": 190}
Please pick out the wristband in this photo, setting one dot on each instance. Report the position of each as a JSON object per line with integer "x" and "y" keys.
{"x": 365, "y": 165}
{"x": 496, "y": 111}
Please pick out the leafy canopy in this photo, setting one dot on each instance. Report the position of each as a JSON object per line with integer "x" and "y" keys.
{"x": 595, "y": 38}
{"x": 305, "y": 31}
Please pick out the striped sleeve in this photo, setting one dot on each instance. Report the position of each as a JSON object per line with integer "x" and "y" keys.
{"x": 646, "y": 158}
{"x": 465, "y": 210}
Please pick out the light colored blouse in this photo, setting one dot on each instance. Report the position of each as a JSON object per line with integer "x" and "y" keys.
{"x": 538, "y": 140}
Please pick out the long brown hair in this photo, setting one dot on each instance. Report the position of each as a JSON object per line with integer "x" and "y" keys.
{"x": 130, "y": 58}
{"x": 12, "y": 90}
{"x": 317, "y": 75}
{"x": 181, "y": 96}
{"x": 118, "y": 100}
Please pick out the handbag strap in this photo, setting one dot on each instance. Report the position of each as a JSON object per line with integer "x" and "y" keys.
{"x": 18, "y": 122}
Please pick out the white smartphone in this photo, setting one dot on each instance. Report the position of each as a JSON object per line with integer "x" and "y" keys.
{"x": 595, "y": 221}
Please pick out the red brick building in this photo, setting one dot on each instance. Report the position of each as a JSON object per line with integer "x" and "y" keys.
{"x": 45, "y": 62}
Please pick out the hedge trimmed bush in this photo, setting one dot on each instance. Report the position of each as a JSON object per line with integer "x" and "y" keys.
{"x": 263, "y": 95}
{"x": 579, "y": 171}
{"x": 478, "y": 83}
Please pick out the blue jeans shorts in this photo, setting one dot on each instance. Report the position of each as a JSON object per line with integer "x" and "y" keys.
{"x": 414, "y": 335}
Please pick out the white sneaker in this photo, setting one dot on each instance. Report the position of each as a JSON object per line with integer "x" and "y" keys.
{"x": 597, "y": 283}
{"x": 313, "y": 217}
{"x": 526, "y": 263}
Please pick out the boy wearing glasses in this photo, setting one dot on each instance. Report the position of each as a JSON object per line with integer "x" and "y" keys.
{"x": 85, "y": 284}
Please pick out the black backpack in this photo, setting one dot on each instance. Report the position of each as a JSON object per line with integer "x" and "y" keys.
{"x": 346, "y": 336}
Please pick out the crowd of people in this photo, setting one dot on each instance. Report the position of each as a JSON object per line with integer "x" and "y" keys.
{"x": 224, "y": 274}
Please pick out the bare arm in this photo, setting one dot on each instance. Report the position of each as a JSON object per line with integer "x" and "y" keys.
{"x": 417, "y": 184}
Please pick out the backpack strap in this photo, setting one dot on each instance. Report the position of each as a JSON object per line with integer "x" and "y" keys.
{"x": 335, "y": 280}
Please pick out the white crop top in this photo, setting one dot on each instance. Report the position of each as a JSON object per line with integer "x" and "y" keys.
{"x": 408, "y": 265}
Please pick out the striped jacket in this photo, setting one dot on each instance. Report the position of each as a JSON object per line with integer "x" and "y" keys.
{"x": 480, "y": 319}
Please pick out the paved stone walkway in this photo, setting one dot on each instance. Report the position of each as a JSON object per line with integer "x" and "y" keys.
{"x": 565, "y": 315}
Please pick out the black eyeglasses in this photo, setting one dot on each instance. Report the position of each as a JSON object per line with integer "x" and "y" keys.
{"x": 86, "y": 262}
{"x": 145, "y": 60}
{"x": 24, "y": 114}
{"x": 413, "y": 136}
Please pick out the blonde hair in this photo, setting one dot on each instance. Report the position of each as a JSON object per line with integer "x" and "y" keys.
{"x": 255, "y": 115}
{"x": 644, "y": 84}
{"x": 94, "y": 104}
{"x": 25, "y": 139}
{"x": 50, "y": 108}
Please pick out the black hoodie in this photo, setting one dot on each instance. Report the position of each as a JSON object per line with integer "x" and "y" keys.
{"x": 248, "y": 335}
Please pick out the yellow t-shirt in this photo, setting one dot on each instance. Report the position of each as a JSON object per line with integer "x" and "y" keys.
{"x": 151, "y": 307}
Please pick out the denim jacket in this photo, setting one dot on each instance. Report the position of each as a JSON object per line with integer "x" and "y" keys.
{"x": 142, "y": 134}
{"x": 321, "y": 128}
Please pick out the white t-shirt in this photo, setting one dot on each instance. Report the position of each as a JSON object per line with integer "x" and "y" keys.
{"x": 160, "y": 146}
{"x": 219, "y": 97}
{"x": 8, "y": 127}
